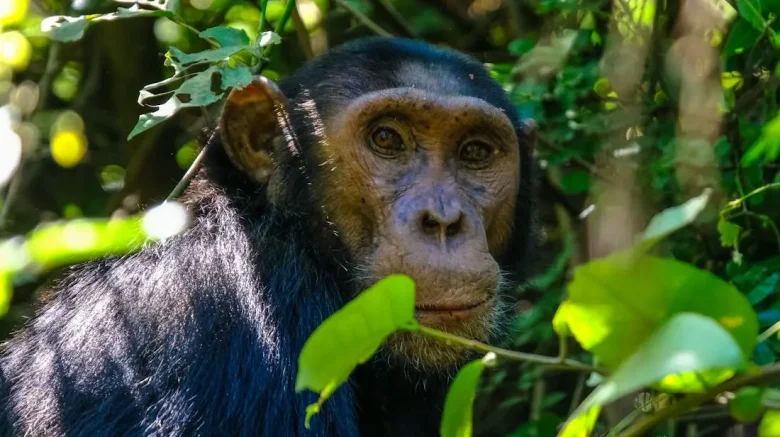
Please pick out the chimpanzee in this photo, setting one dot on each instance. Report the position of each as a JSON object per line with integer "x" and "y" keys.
{"x": 381, "y": 156}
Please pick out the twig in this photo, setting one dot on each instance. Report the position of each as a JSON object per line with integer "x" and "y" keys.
{"x": 396, "y": 16}
{"x": 363, "y": 18}
{"x": 303, "y": 35}
{"x": 772, "y": 330}
{"x": 691, "y": 401}
{"x": 192, "y": 171}
{"x": 550, "y": 362}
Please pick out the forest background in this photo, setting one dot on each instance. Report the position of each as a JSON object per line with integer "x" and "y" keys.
{"x": 654, "y": 305}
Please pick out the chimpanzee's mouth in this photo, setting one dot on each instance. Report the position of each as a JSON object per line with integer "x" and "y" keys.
{"x": 451, "y": 310}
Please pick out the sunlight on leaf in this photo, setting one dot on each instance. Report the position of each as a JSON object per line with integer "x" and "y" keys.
{"x": 64, "y": 28}
{"x": 686, "y": 343}
{"x": 457, "y": 417}
{"x": 770, "y": 424}
{"x": 352, "y": 335}
{"x": 616, "y": 303}
{"x": 6, "y": 290}
{"x": 582, "y": 425}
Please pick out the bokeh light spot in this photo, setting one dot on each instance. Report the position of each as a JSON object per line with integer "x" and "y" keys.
{"x": 68, "y": 148}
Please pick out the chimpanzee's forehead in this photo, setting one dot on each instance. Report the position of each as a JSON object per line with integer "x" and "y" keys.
{"x": 374, "y": 64}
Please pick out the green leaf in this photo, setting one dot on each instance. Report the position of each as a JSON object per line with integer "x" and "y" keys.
{"x": 747, "y": 404}
{"x": 352, "y": 335}
{"x": 742, "y": 37}
{"x": 457, "y": 416}
{"x": 673, "y": 219}
{"x": 729, "y": 233}
{"x": 226, "y": 36}
{"x": 767, "y": 147}
{"x": 618, "y": 302}
{"x": 685, "y": 344}
{"x": 163, "y": 112}
{"x": 576, "y": 181}
{"x": 65, "y": 28}
{"x": 269, "y": 38}
{"x": 764, "y": 289}
{"x": 750, "y": 10}
{"x": 519, "y": 47}
{"x": 236, "y": 77}
{"x": 581, "y": 425}
{"x": 6, "y": 290}
{"x": 181, "y": 60}
{"x": 770, "y": 424}
{"x": 195, "y": 91}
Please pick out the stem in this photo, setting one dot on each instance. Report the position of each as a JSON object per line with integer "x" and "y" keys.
{"x": 736, "y": 203}
{"x": 363, "y": 18}
{"x": 769, "y": 332}
{"x": 689, "y": 402}
{"x": 552, "y": 362}
{"x": 261, "y": 25}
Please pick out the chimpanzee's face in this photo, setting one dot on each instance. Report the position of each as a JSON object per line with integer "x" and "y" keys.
{"x": 424, "y": 185}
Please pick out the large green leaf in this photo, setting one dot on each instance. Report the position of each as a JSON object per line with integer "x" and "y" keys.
{"x": 618, "y": 302}
{"x": 750, "y": 10}
{"x": 457, "y": 417}
{"x": 352, "y": 335}
{"x": 686, "y": 343}
{"x": 741, "y": 37}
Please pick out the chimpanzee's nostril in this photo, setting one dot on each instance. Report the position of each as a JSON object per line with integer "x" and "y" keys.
{"x": 454, "y": 228}
{"x": 430, "y": 225}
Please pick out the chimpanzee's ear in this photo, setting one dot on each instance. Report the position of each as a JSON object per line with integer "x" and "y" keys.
{"x": 252, "y": 122}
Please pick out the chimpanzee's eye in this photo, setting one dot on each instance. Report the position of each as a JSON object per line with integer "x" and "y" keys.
{"x": 476, "y": 154}
{"x": 386, "y": 141}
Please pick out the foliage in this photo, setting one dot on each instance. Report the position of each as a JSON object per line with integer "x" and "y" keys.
{"x": 640, "y": 108}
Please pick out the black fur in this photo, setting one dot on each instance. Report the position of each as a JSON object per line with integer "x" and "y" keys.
{"x": 199, "y": 335}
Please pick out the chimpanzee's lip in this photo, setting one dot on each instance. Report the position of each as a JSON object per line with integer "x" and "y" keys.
{"x": 451, "y": 308}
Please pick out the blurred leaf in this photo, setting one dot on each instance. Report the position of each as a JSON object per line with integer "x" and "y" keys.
{"x": 767, "y": 147}
{"x": 581, "y": 425}
{"x": 770, "y": 424}
{"x": 352, "y": 335}
{"x": 674, "y": 218}
{"x": 60, "y": 244}
{"x": 747, "y": 404}
{"x": 226, "y": 36}
{"x": 686, "y": 343}
{"x": 575, "y": 181}
{"x": 545, "y": 279}
{"x": 750, "y": 10}
{"x": 729, "y": 233}
{"x": 742, "y": 36}
{"x": 65, "y": 28}
{"x": 457, "y": 416}
{"x": 520, "y": 47}
{"x": 6, "y": 289}
{"x": 616, "y": 303}
{"x": 764, "y": 289}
